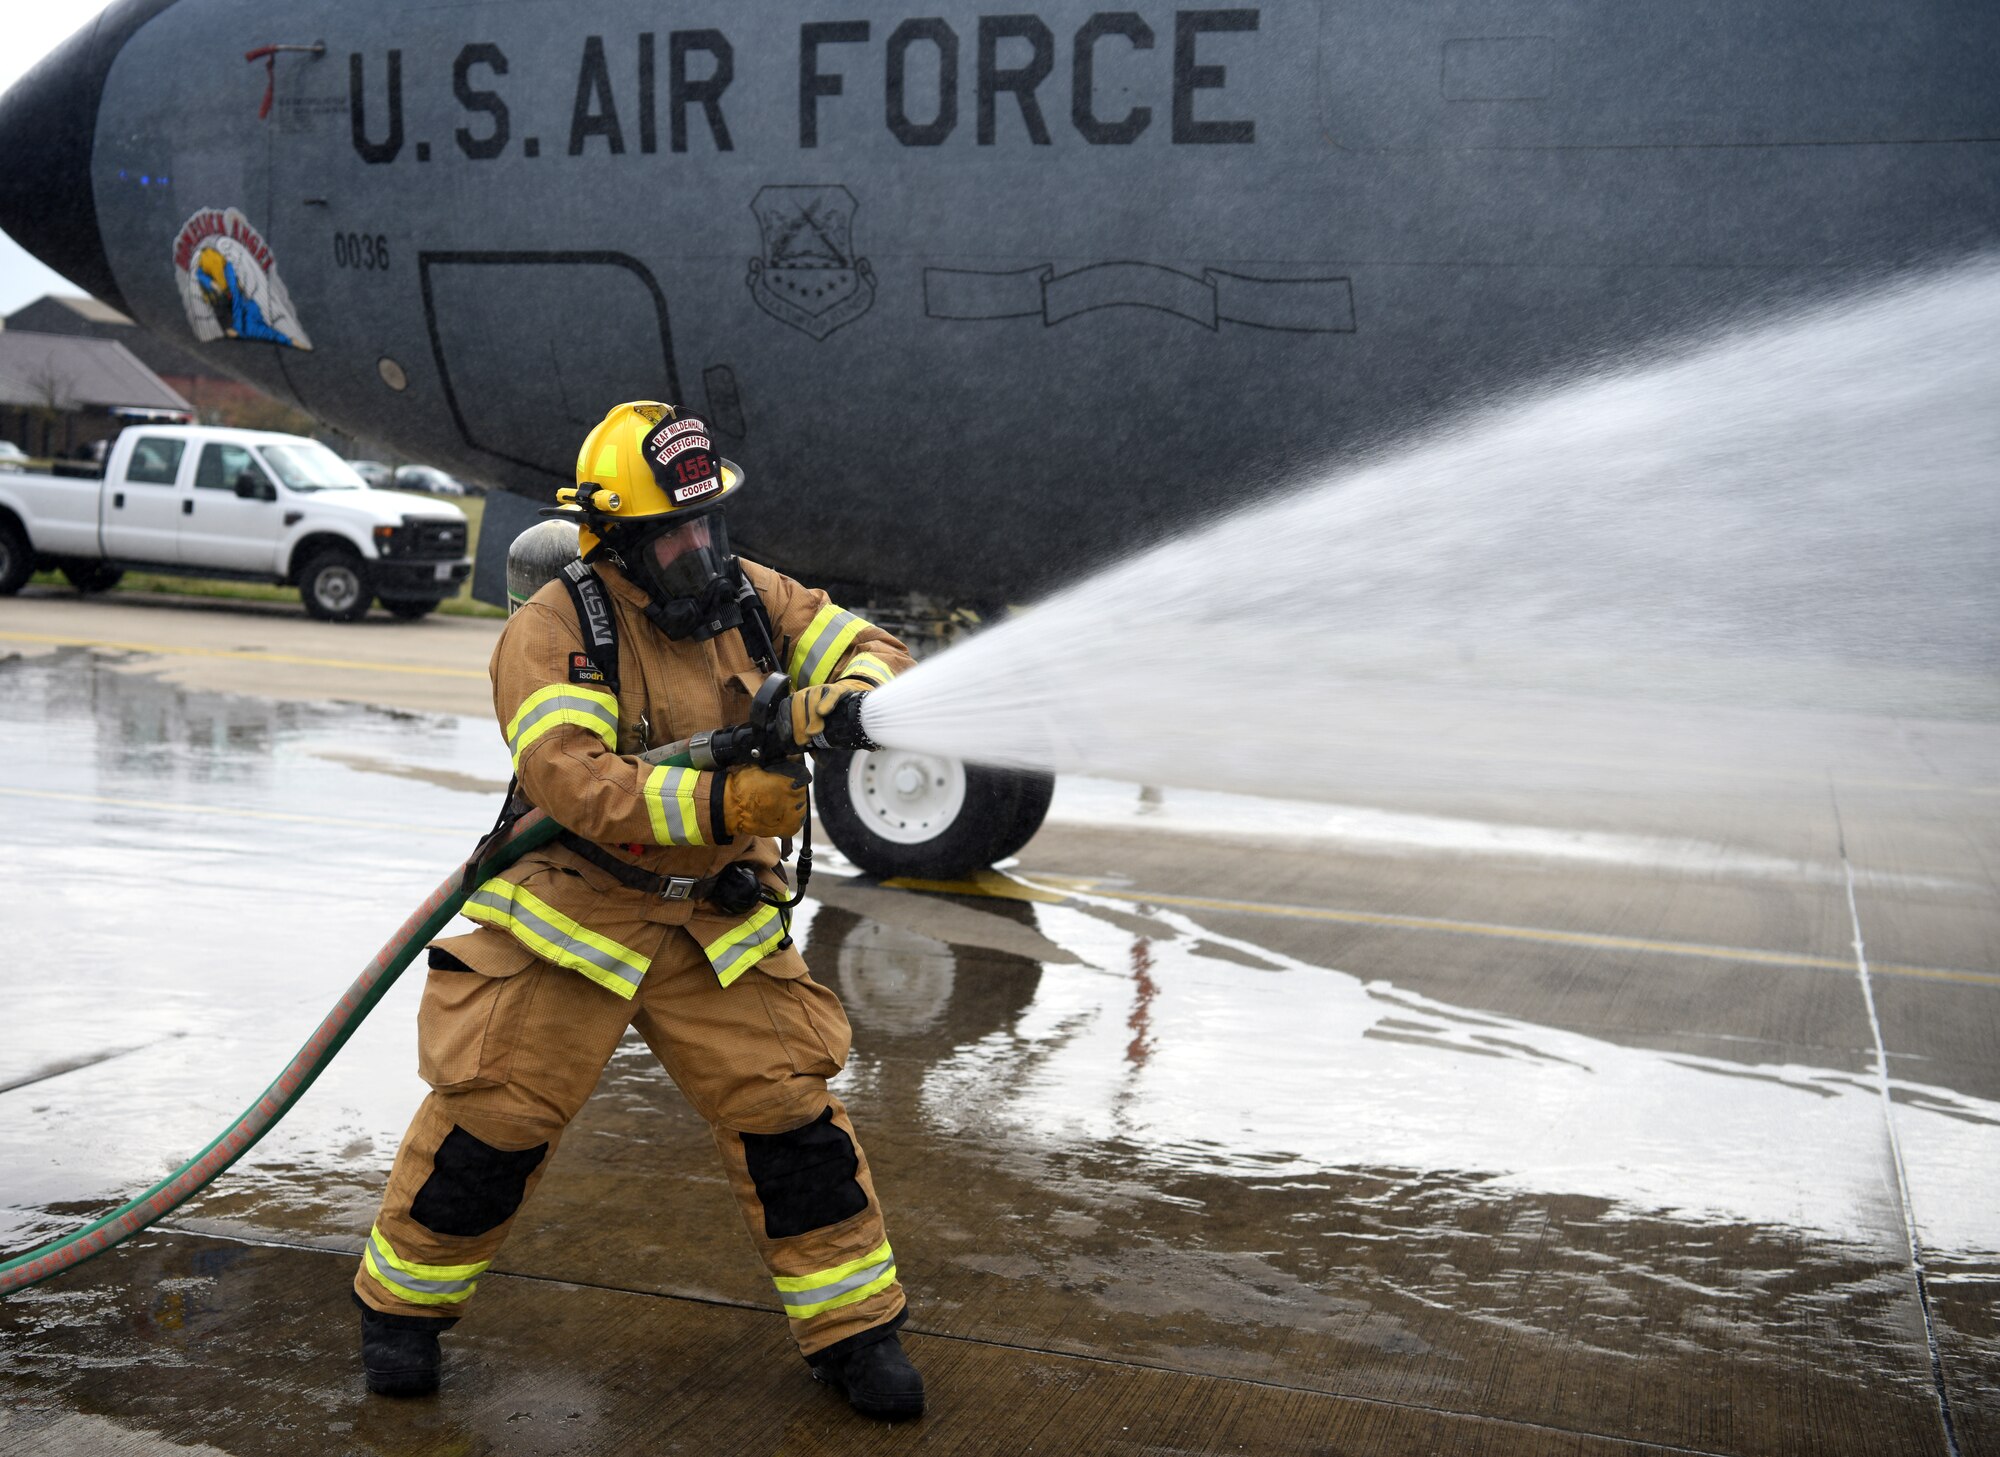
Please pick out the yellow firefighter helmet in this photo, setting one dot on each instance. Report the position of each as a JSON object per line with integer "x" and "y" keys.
{"x": 645, "y": 462}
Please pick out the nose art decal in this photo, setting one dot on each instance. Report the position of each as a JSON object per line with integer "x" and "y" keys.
{"x": 229, "y": 282}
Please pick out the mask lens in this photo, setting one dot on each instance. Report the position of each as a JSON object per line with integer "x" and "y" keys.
{"x": 685, "y": 558}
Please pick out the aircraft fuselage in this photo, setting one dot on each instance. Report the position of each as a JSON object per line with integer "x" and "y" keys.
{"x": 977, "y": 298}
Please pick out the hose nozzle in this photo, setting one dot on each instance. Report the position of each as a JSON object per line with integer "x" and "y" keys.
{"x": 844, "y": 729}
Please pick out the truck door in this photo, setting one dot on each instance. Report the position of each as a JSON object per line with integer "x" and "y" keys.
{"x": 223, "y": 529}
{"x": 142, "y": 505}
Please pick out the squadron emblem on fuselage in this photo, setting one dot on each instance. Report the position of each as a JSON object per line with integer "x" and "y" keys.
{"x": 229, "y": 282}
{"x": 808, "y": 276}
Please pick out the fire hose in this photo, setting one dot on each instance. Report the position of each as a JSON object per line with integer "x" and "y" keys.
{"x": 762, "y": 739}
{"x": 527, "y": 833}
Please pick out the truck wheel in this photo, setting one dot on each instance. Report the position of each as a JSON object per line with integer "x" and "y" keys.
{"x": 334, "y": 586}
{"x": 409, "y": 608}
{"x": 897, "y": 813}
{"x": 17, "y": 559}
{"x": 88, "y": 577}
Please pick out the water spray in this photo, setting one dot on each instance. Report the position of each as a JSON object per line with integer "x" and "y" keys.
{"x": 1803, "y": 514}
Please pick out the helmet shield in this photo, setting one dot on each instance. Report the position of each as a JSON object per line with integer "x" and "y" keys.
{"x": 682, "y": 460}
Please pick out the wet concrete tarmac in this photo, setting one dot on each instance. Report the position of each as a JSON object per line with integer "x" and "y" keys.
{"x": 1453, "y": 1120}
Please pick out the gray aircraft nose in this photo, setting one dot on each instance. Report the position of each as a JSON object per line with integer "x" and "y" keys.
{"x": 48, "y": 121}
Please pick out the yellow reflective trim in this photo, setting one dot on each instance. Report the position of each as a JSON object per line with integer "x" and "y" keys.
{"x": 558, "y": 690}
{"x": 414, "y": 1297}
{"x": 806, "y": 639}
{"x": 587, "y": 953}
{"x": 737, "y": 932}
{"x": 868, "y": 668}
{"x": 821, "y": 658}
{"x": 682, "y": 827}
{"x": 413, "y": 1281}
{"x": 873, "y": 1287}
{"x": 555, "y": 720}
{"x": 728, "y": 968}
{"x": 822, "y": 1278}
{"x": 605, "y": 979}
{"x": 431, "y": 1272}
{"x": 842, "y": 641}
{"x": 558, "y": 704}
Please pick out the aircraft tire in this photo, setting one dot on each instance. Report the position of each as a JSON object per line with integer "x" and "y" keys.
{"x": 334, "y": 586}
{"x": 88, "y": 577}
{"x": 895, "y": 813}
{"x": 409, "y": 608}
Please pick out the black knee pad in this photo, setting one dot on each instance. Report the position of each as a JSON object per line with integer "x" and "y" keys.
{"x": 805, "y": 1178}
{"x": 474, "y": 1186}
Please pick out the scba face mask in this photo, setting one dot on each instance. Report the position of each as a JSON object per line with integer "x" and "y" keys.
{"x": 689, "y": 576}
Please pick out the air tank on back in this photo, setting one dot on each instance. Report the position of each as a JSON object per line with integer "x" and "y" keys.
{"x": 535, "y": 558}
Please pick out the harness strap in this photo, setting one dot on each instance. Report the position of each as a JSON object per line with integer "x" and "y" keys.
{"x": 733, "y": 890}
{"x": 755, "y": 629}
{"x": 671, "y": 887}
{"x": 595, "y": 619}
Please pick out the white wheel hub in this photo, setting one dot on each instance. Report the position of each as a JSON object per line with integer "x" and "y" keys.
{"x": 906, "y": 798}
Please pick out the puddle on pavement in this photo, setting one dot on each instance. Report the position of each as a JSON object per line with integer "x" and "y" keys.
{"x": 1208, "y": 1124}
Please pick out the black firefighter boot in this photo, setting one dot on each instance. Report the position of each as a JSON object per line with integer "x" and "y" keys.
{"x": 400, "y": 1352}
{"x": 877, "y": 1378}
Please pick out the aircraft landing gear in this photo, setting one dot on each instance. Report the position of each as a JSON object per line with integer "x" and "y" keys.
{"x": 896, "y": 813}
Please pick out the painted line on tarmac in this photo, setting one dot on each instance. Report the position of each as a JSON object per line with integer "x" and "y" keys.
{"x": 1592, "y": 939}
{"x": 1596, "y": 941}
{"x": 351, "y": 665}
{"x": 181, "y": 807}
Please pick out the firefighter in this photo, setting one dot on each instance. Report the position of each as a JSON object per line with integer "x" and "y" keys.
{"x": 656, "y": 908}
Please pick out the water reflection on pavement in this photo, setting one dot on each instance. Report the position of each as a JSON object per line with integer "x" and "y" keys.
{"x": 1200, "y": 1139}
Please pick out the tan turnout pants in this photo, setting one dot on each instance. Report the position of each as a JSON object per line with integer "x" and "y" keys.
{"x": 511, "y": 1059}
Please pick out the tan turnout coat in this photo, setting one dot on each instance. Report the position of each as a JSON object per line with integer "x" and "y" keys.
{"x": 574, "y": 752}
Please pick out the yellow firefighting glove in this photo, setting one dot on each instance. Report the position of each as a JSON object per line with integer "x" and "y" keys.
{"x": 810, "y": 708}
{"x": 765, "y": 802}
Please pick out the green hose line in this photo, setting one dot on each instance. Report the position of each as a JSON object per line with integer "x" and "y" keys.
{"x": 529, "y": 832}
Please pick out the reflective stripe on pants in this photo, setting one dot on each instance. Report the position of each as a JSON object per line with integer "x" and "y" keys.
{"x": 806, "y": 1296}
{"x": 418, "y": 1283}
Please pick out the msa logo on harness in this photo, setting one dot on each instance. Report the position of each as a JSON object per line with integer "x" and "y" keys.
{"x": 597, "y": 664}
{"x": 592, "y": 610}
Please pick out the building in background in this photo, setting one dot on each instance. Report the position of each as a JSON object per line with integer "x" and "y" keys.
{"x": 60, "y": 395}
{"x": 213, "y": 399}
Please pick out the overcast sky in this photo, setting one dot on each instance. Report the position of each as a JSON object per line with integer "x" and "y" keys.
{"x": 32, "y": 31}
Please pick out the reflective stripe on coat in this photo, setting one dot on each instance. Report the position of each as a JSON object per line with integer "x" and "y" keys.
{"x": 574, "y": 746}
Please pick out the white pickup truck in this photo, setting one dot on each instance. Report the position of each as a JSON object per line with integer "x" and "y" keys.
{"x": 205, "y": 501}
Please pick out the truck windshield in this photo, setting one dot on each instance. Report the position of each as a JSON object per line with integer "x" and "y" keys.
{"x": 310, "y": 466}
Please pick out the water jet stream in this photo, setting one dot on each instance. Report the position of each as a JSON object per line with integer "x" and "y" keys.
{"x": 1801, "y": 515}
